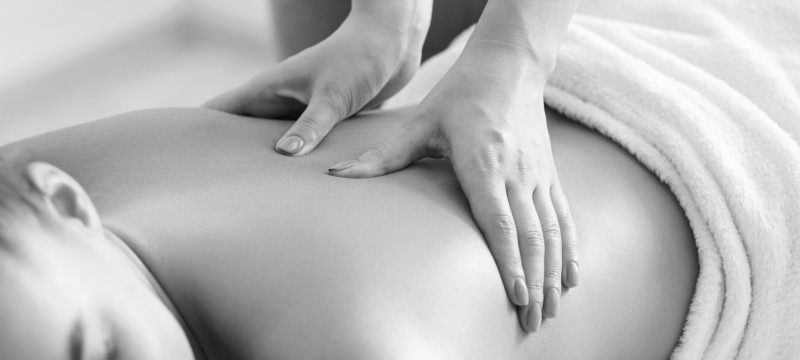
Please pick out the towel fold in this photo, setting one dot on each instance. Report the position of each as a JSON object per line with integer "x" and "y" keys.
{"x": 707, "y": 95}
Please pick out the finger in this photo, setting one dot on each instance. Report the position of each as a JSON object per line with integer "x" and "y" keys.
{"x": 490, "y": 208}
{"x": 230, "y": 101}
{"x": 410, "y": 143}
{"x": 322, "y": 113}
{"x": 267, "y": 95}
{"x": 531, "y": 248}
{"x": 569, "y": 238}
{"x": 552, "y": 256}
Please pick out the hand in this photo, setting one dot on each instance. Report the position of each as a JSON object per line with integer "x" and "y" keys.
{"x": 360, "y": 65}
{"x": 487, "y": 116}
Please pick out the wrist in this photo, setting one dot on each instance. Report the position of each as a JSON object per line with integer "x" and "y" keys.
{"x": 402, "y": 23}
{"x": 508, "y": 60}
{"x": 390, "y": 13}
{"x": 537, "y": 27}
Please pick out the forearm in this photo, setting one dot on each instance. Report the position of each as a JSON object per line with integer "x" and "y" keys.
{"x": 535, "y": 26}
{"x": 300, "y": 24}
{"x": 406, "y": 19}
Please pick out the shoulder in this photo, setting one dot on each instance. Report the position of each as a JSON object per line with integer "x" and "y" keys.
{"x": 127, "y": 132}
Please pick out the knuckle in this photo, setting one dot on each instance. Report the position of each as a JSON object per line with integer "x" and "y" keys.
{"x": 312, "y": 125}
{"x": 338, "y": 100}
{"x": 504, "y": 223}
{"x": 523, "y": 167}
{"x": 378, "y": 151}
{"x": 536, "y": 285}
{"x": 552, "y": 230}
{"x": 503, "y": 159}
{"x": 566, "y": 220}
{"x": 570, "y": 247}
{"x": 511, "y": 263}
{"x": 553, "y": 273}
{"x": 534, "y": 238}
{"x": 489, "y": 162}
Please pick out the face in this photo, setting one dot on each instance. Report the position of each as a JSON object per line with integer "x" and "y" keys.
{"x": 71, "y": 293}
{"x": 71, "y": 296}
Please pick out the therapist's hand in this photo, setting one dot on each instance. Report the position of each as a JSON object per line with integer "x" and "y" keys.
{"x": 487, "y": 116}
{"x": 363, "y": 63}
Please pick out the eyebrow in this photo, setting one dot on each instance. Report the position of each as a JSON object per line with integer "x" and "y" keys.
{"x": 76, "y": 341}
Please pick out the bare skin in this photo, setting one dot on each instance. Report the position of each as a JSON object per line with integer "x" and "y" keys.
{"x": 486, "y": 115}
{"x": 267, "y": 256}
{"x": 300, "y": 24}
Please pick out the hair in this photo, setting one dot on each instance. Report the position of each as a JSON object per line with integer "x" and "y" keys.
{"x": 17, "y": 199}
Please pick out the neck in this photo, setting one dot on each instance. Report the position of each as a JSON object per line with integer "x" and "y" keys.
{"x": 152, "y": 283}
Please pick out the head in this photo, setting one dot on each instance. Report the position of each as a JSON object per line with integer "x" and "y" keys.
{"x": 66, "y": 290}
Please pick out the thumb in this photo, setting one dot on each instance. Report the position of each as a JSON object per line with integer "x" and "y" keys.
{"x": 410, "y": 144}
{"x": 230, "y": 101}
{"x": 266, "y": 95}
{"x": 312, "y": 126}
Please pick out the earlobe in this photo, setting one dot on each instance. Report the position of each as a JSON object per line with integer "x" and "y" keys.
{"x": 67, "y": 197}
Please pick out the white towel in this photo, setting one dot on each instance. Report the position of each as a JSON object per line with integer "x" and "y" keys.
{"x": 707, "y": 95}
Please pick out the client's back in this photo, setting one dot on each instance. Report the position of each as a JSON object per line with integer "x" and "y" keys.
{"x": 266, "y": 256}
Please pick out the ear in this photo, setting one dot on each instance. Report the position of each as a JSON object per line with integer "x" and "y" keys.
{"x": 67, "y": 197}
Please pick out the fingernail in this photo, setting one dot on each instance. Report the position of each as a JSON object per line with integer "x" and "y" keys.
{"x": 291, "y": 145}
{"x": 551, "y": 303}
{"x": 572, "y": 274}
{"x": 535, "y": 317}
{"x": 343, "y": 165}
{"x": 520, "y": 292}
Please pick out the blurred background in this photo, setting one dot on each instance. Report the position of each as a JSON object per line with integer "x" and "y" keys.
{"x": 67, "y": 62}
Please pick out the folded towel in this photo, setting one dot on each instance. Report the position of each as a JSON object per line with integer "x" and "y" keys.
{"x": 707, "y": 95}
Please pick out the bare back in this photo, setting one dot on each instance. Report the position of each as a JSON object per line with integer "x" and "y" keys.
{"x": 268, "y": 257}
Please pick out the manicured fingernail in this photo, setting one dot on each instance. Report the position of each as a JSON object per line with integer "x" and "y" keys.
{"x": 572, "y": 274}
{"x": 343, "y": 165}
{"x": 551, "y": 303}
{"x": 535, "y": 317}
{"x": 291, "y": 145}
{"x": 520, "y": 292}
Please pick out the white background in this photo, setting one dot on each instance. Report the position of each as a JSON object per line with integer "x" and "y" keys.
{"x": 64, "y": 62}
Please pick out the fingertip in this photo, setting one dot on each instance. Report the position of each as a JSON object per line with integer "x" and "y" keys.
{"x": 377, "y": 161}
{"x": 551, "y": 303}
{"x": 210, "y": 104}
{"x": 343, "y": 166}
{"x": 534, "y": 318}
{"x": 520, "y": 297}
{"x": 523, "y": 313}
{"x": 354, "y": 169}
{"x": 572, "y": 275}
{"x": 230, "y": 101}
{"x": 290, "y": 145}
{"x": 217, "y": 103}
